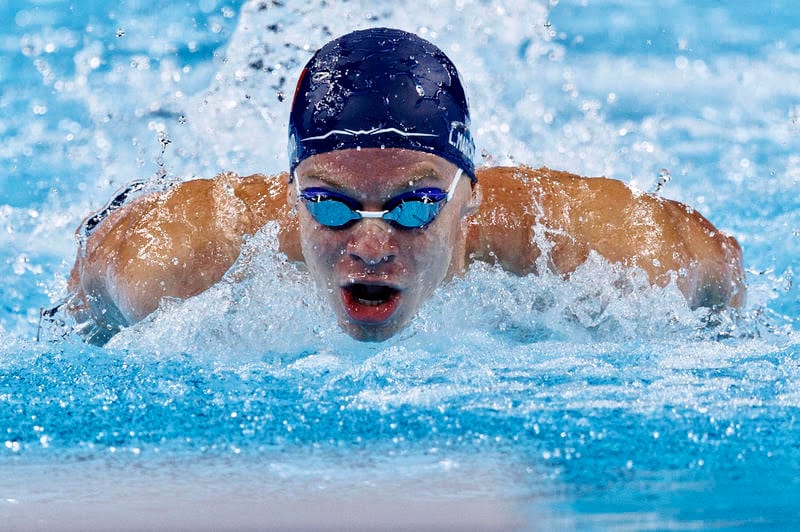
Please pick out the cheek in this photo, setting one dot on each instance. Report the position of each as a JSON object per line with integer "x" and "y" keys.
{"x": 320, "y": 247}
{"x": 432, "y": 251}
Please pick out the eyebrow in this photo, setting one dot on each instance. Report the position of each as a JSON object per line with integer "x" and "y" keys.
{"x": 423, "y": 173}
{"x": 325, "y": 179}
{"x": 415, "y": 176}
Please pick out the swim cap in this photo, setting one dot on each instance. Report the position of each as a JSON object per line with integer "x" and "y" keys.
{"x": 380, "y": 88}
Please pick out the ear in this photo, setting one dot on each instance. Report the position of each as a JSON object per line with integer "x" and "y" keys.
{"x": 474, "y": 202}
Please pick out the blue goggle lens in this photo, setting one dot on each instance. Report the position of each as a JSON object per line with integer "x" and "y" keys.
{"x": 414, "y": 213}
{"x": 410, "y": 210}
{"x": 331, "y": 212}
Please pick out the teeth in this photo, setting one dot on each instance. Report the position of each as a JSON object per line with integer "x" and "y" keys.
{"x": 370, "y": 295}
{"x": 368, "y": 302}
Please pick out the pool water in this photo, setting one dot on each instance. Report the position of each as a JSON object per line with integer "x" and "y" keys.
{"x": 534, "y": 402}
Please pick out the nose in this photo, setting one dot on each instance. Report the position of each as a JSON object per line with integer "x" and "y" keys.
{"x": 372, "y": 243}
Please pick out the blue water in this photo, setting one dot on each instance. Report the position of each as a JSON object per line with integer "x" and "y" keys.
{"x": 509, "y": 402}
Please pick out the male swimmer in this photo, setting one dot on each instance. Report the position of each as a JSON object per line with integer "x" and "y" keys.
{"x": 383, "y": 203}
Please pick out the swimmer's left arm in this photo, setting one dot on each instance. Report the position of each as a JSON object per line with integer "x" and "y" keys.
{"x": 525, "y": 210}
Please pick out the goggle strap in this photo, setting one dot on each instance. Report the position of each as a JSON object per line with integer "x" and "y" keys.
{"x": 451, "y": 190}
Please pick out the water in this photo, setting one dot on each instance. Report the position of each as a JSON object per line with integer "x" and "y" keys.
{"x": 509, "y": 402}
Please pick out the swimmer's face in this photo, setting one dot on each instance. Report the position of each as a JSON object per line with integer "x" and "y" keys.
{"x": 374, "y": 274}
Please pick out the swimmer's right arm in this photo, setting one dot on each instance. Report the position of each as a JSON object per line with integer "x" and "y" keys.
{"x": 173, "y": 244}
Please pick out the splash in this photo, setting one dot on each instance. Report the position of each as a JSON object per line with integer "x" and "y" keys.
{"x": 268, "y": 307}
{"x": 263, "y": 305}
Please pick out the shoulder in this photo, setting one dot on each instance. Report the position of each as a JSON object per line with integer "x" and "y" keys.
{"x": 525, "y": 177}
{"x": 264, "y": 196}
{"x": 552, "y": 188}
{"x": 253, "y": 191}
{"x": 249, "y": 199}
{"x": 523, "y": 187}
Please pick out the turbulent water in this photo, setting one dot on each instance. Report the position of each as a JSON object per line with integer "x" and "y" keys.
{"x": 508, "y": 402}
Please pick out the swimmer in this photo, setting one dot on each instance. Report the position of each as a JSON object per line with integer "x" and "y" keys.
{"x": 383, "y": 204}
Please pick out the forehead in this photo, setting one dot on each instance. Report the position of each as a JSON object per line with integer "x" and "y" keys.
{"x": 375, "y": 169}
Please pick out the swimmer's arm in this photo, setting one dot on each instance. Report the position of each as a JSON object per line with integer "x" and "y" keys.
{"x": 525, "y": 210}
{"x": 173, "y": 244}
{"x": 665, "y": 238}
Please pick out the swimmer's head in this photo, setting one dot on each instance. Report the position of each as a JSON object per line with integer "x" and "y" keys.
{"x": 381, "y": 88}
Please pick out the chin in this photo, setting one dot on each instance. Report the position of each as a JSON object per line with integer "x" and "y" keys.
{"x": 370, "y": 332}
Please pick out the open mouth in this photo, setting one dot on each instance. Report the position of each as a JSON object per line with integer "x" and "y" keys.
{"x": 372, "y": 303}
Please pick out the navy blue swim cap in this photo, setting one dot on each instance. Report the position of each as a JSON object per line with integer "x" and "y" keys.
{"x": 381, "y": 88}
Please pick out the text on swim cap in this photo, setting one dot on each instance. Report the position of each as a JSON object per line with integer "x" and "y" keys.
{"x": 461, "y": 139}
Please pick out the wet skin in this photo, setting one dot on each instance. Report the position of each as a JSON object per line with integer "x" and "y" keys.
{"x": 375, "y": 276}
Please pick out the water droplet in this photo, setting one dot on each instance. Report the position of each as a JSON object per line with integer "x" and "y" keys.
{"x": 420, "y": 90}
{"x": 13, "y": 446}
{"x": 281, "y": 96}
{"x": 120, "y": 32}
{"x": 664, "y": 177}
{"x": 181, "y": 119}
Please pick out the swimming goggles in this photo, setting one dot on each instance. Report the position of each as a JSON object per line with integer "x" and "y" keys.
{"x": 409, "y": 210}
